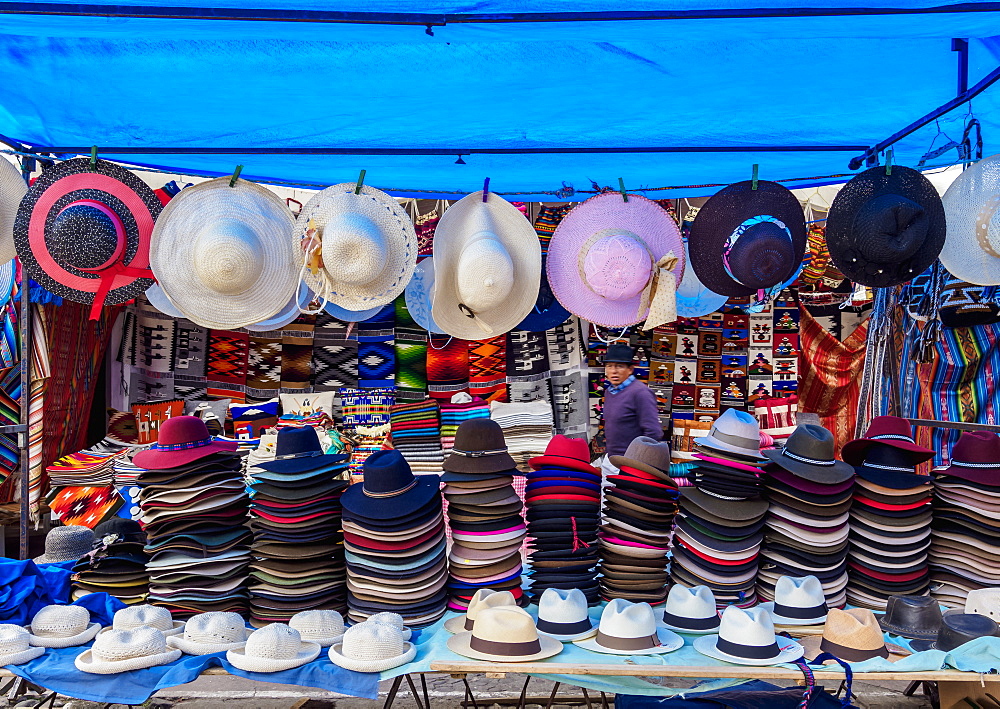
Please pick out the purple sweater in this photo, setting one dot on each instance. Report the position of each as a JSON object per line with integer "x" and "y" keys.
{"x": 629, "y": 414}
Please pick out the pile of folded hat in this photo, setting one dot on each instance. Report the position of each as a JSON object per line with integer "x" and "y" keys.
{"x": 116, "y": 565}
{"x": 563, "y": 498}
{"x": 527, "y": 426}
{"x": 461, "y": 408}
{"x": 484, "y": 514}
{"x": 890, "y": 522}
{"x": 718, "y": 531}
{"x": 295, "y": 517}
{"x": 809, "y": 494}
{"x": 964, "y": 552}
{"x": 639, "y": 511}
{"x": 394, "y": 542}
{"x": 416, "y": 433}
{"x": 194, "y": 510}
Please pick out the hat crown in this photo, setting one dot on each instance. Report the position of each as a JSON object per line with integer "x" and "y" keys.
{"x": 762, "y": 254}
{"x": 215, "y": 628}
{"x": 891, "y": 428}
{"x": 118, "y": 645}
{"x": 696, "y": 602}
{"x": 562, "y": 605}
{"x": 60, "y": 621}
{"x": 979, "y": 447}
{"x": 565, "y": 447}
{"x": 856, "y": 628}
{"x": 505, "y": 625}
{"x": 317, "y": 624}
{"x": 482, "y": 434}
{"x": 370, "y": 641}
{"x": 276, "y": 641}
{"x": 484, "y": 274}
{"x": 297, "y": 440}
{"x": 811, "y": 442}
{"x": 889, "y": 228}
{"x": 182, "y": 429}
{"x": 984, "y": 601}
{"x": 86, "y": 235}
{"x": 388, "y": 618}
{"x": 488, "y": 598}
{"x": 354, "y": 248}
{"x": 649, "y": 451}
{"x": 616, "y": 265}
{"x": 143, "y": 616}
{"x": 623, "y": 619}
{"x": 228, "y": 256}
{"x": 619, "y": 352}
{"x": 74, "y": 538}
{"x": 752, "y": 626}
{"x": 959, "y": 628}
{"x": 386, "y": 473}
{"x": 736, "y": 428}
{"x": 799, "y": 591}
{"x": 13, "y": 638}
{"x": 884, "y": 455}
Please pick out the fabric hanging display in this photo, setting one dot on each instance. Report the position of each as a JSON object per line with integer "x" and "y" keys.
{"x": 297, "y": 353}
{"x": 264, "y": 365}
{"x": 335, "y": 355}
{"x": 447, "y": 366}
{"x": 488, "y": 369}
{"x": 376, "y": 354}
{"x": 546, "y": 222}
{"x": 226, "y": 370}
{"x": 410, "y": 353}
{"x": 190, "y": 360}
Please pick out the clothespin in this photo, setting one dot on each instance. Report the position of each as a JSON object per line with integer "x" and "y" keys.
{"x": 93, "y": 156}
{"x": 753, "y": 179}
{"x": 621, "y": 188}
{"x": 888, "y": 162}
{"x": 236, "y": 175}
{"x": 361, "y": 182}
{"x": 486, "y": 189}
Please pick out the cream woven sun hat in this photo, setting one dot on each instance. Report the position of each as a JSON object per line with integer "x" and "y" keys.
{"x": 482, "y": 599}
{"x": 62, "y": 626}
{"x": 972, "y": 212}
{"x": 124, "y": 650}
{"x": 372, "y": 647}
{"x": 746, "y": 637}
{"x": 12, "y": 189}
{"x": 487, "y": 268}
{"x": 323, "y": 627}
{"x": 15, "y": 646}
{"x": 393, "y": 619}
{"x": 206, "y": 633}
{"x": 223, "y": 255}
{"x": 145, "y": 616}
{"x": 357, "y": 251}
{"x": 273, "y": 648}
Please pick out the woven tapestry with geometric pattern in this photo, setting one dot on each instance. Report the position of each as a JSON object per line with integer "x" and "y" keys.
{"x": 334, "y": 355}
{"x": 227, "y": 356}
{"x": 447, "y": 366}
{"x": 411, "y": 355}
{"x": 87, "y": 506}
{"x": 488, "y": 368}
{"x": 296, "y": 353}
{"x": 376, "y": 353}
{"x": 264, "y": 365}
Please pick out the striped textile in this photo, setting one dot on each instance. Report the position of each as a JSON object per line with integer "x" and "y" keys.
{"x": 447, "y": 366}
{"x": 296, "y": 353}
{"x": 488, "y": 368}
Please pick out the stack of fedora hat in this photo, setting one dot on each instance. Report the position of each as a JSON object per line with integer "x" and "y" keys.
{"x": 396, "y": 550}
{"x": 563, "y": 496}
{"x": 890, "y": 516}
{"x": 718, "y": 532}
{"x": 116, "y": 565}
{"x": 194, "y": 507}
{"x": 484, "y": 513}
{"x": 295, "y": 518}
{"x": 964, "y": 552}
{"x": 809, "y": 495}
{"x": 638, "y": 516}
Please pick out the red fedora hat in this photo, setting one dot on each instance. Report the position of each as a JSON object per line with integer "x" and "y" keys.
{"x": 888, "y": 430}
{"x": 565, "y": 452}
{"x": 182, "y": 440}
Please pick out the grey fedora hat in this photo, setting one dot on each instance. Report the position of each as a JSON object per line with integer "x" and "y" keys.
{"x": 646, "y": 454}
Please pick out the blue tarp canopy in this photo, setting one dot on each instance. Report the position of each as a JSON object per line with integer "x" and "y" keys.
{"x": 496, "y": 75}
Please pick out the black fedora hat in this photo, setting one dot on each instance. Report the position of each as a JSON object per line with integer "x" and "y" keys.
{"x": 889, "y": 466}
{"x": 809, "y": 453}
{"x": 915, "y": 617}
{"x": 389, "y": 488}
{"x": 298, "y": 450}
{"x": 958, "y": 629}
{"x": 479, "y": 448}
{"x": 885, "y": 229}
{"x": 619, "y": 352}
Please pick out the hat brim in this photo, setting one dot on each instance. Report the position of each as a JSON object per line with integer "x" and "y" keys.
{"x": 563, "y": 462}
{"x": 583, "y": 635}
{"x": 239, "y": 659}
{"x": 790, "y": 651}
{"x": 417, "y": 295}
{"x": 750, "y": 454}
{"x": 305, "y": 464}
{"x": 73, "y": 641}
{"x": 164, "y": 460}
{"x": 482, "y": 465}
{"x": 421, "y": 494}
{"x": 85, "y": 662}
{"x": 668, "y": 642}
{"x": 337, "y": 657}
{"x": 853, "y": 452}
{"x": 782, "y": 620}
{"x": 460, "y": 644}
{"x": 19, "y": 658}
{"x": 829, "y": 474}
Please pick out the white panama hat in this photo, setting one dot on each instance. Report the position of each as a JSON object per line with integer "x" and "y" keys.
{"x": 487, "y": 268}
{"x": 357, "y": 251}
{"x": 62, "y": 626}
{"x": 123, "y": 650}
{"x": 223, "y": 255}
{"x": 628, "y": 628}
{"x": 12, "y": 189}
{"x": 372, "y": 647}
{"x": 323, "y": 627}
{"x": 145, "y": 616}
{"x": 563, "y": 614}
{"x": 798, "y": 600}
{"x": 691, "y": 610}
{"x": 746, "y": 637}
{"x": 15, "y": 646}
{"x": 971, "y": 249}
{"x": 273, "y": 648}
{"x": 482, "y": 599}
{"x": 206, "y": 633}
{"x": 504, "y": 634}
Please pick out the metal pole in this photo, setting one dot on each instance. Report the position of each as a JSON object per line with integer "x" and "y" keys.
{"x": 962, "y": 47}
{"x": 25, "y": 435}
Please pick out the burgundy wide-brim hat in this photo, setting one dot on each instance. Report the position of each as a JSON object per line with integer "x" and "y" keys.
{"x": 602, "y": 253}
{"x": 976, "y": 458}
{"x": 83, "y": 232}
{"x": 887, "y": 430}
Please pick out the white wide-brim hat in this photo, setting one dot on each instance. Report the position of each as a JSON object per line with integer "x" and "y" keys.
{"x": 419, "y": 294}
{"x": 85, "y": 662}
{"x": 157, "y": 297}
{"x": 790, "y": 651}
{"x": 971, "y": 249}
{"x": 193, "y": 647}
{"x": 12, "y": 189}
{"x": 72, "y": 641}
{"x": 337, "y": 657}
{"x": 223, "y": 255}
{"x": 694, "y": 298}
{"x": 283, "y": 317}
{"x": 667, "y": 641}
{"x": 19, "y": 658}
{"x": 357, "y": 251}
{"x": 487, "y": 268}
{"x": 238, "y": 657}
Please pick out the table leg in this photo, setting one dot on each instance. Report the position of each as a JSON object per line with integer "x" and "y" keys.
{"x": 423, "y": 686}
{"x": 524, "y": 692}
{"x": 586, "y": 697}
{"x": 469, "y": 696}
{"x": 604, "y": 701}
{"x": 392, "y": 692}
{"x": 552, "y": 697}
{"x": 413, "y": 691}
{"x": 952, "y": 694}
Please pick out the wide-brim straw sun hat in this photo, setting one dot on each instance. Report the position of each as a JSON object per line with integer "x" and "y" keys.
{"x": 357, "y": 251}
{"x": 273, "y": 648}
{"x": 971, "y": 249}
{"x": 323, "y": 627}
{"x": 608, "y": 260}
{"x": 223, "y": 255}
{"x": 372, "y": 647}
{"x": 126, "y": 650}
{"x": 283, "y": 317}
{"x": 12, "y": 190}
{"x": 15, "y": 648}
{"x": 207, "y": 633}
{"x": 487, "y": 266}
{"x": 62, "y": 626}
{"x": 159, "y": 300}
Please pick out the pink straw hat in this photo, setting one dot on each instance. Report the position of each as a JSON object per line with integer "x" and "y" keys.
{"x": 608, "y": 261}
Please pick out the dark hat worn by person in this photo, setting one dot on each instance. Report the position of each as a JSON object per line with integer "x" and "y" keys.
{"x": 809, "y": 453}
{"x": 888, "y": 431}
{"x": 618, "y": 352}
{"x": 885, "y": 229}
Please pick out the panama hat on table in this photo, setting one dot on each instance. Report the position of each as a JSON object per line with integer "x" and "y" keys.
{"x": 746, "y": 637}
{"x": 971, "y": 249}
{"x": 487, "y": 265}
{"x": 15, "y": 646}
{"x": 372, "y": 646}
{"x": 62, "y": 626}
{"x": 691, "y": 610}
{"x": 273, "y": 648}
{"x": 504, "y": 634}
{"x": 355, "y": 249}
{"x": 83, "y": 232}
{"x": 628, "y": 628}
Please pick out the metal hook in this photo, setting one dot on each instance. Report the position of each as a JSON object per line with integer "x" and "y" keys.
{"x": 621, "y": 188}
{"x": 236, "y": 175}
{"x": 361, "y": 182}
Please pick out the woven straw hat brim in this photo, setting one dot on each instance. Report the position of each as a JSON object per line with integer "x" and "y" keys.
{"x": 460, "y": 644}
{"x": 72, "y": 641}
{"x": 12, "y": 189}
{"x": 467, "y": 217}
{"x": 248, "y": 663}
{"x": 172, "y": 255}
{"x": 85, "y": 662}
{"x": 790, "y": 652}
{"x": 642, "y": 217}
{"x": 46, "y": 559}
{"x": 970, "y": 203}
{"x": 337, "y": 657}
{"x": 393, "y": 223}
{"x": 19, "y": 658}
{"x": 177, "y": 629}
{"x": 190, "y": 647}
{"x": 325, "y": 642}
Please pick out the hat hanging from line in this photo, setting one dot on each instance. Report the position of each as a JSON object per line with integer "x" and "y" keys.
{"x": 487, "y": 261}
{"x": 748, "y": 240}
{"x": 223, "y": 255}
{"x": 159, "y": 300}
{"x": 357, "y": 251}
{"x": 283, "y": 317}
{"x": 885, "y": 229}
{"x": 12, "y": 190}
{"x": 694, "y": 299}
{"x": 616, "y": 263}
{"x": 971, "y": 249}
{"x": 419, "y": 293}
{"x": 83, "y": 232}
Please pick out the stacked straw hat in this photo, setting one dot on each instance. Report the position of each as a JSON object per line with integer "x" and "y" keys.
{"x": 372, "y": 647}
{"x": 639, "y": 510}
{"x": 125, "y": 650}
{"x": 394, "y": 542}
{"x": 809, "y": 494}
{"x": 964, "y": 554}
{"x": 62, "y": 626}
{"x": 718, "y": 530}
{"x": 295, "y": 518}
{"x": 273, "y": 648}
{"x": 208, "y": 633}
{"x": 890, "y": 516}
{"x": 563, "y": 498}
{"x": 484, "y": 514}
{"x": 194, "y": 508}
{"x": 116, "y": 564}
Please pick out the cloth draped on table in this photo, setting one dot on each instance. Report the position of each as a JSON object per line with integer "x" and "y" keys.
{"x": 27, "y": 587}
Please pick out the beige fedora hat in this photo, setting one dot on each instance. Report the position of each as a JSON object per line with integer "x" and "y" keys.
{"x": 504, "y": 635}
{"x": 482, "y": 599}
{"x": 487, "y": 268}
{"x": 853, "y": 635}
